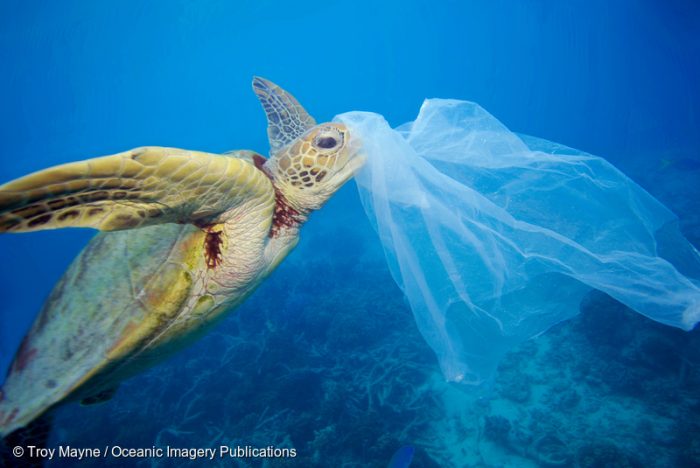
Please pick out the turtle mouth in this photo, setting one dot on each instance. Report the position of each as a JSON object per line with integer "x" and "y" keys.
{"x": 356, "y": 155}
{"x": 356, "y": 159}
{"x": 354, "y": 162}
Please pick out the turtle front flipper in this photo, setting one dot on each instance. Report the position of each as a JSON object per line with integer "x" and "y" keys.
{"x": 137, "y": 188}
{"x": 286, "y": 118}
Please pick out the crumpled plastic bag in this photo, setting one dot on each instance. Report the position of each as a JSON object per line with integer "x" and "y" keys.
{"x": 495, "y": 237}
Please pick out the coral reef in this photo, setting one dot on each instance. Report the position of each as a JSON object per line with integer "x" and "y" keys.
{"x": 325, "y": 357}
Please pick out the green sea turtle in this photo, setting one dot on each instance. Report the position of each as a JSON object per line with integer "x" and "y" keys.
{"x": 190, "y": 236}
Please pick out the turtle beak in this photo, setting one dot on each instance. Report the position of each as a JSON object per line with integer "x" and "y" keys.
{"x": 355, "y": 160}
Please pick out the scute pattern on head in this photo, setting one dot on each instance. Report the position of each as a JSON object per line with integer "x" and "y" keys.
{"x": 309, "y": 160}
{"x": 308, "y": 163}
{"x": 312, "y": 168}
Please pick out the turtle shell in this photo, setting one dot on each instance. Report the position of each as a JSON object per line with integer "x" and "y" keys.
{"x": 103, "y": 313}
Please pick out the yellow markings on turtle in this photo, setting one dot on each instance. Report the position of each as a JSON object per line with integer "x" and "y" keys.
{"x": 187, "y": 174}
{"x": 189, "y": 249}
{"x": 203, "y": 306}
{"x": 120, "y": 220}
{"x": 284, "y": 163}
{"x": 123, "y": 190}
{"x": 128, "y": 332}
{"x": 147, "y": 155}
{"x": 129, "y": 168}
{"x": 108, "y": 183}
{"x": 162, "y": 299}
{"x": 171, "y": 167}
{"x": 102, "y": 167}
{"x": 209, "y": 179}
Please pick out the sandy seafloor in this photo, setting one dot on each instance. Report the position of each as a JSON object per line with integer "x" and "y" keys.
{"x": 325, "y": 357}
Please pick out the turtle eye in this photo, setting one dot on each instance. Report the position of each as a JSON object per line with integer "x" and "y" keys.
{"x": 328, "y": 139}
{"x": 326, "y": 142}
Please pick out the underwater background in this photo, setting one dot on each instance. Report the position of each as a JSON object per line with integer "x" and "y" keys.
{"x": 325, "y": 357}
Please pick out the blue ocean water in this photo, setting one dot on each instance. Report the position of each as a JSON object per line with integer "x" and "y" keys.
{"x": 325, "y": 357}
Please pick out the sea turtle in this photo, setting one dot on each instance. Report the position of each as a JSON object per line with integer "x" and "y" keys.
{"x": 189, "y": 236}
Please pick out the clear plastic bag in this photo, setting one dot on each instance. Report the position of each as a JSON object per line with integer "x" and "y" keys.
{"x": 495, "y": 237}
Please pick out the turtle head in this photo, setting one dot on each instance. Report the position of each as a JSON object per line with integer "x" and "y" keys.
{"x": 315, "y": 165}
{"x": 308, "y": 162}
